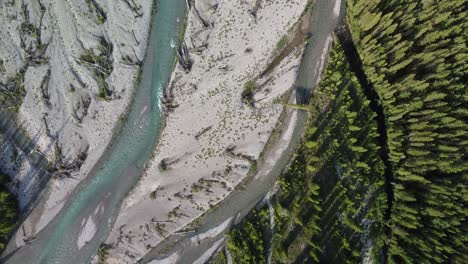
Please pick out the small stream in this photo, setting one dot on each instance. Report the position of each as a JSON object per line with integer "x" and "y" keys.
{"x": 93, "y": 206}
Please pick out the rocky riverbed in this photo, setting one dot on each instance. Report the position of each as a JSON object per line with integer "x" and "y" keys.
{"x": 67, "y": 72}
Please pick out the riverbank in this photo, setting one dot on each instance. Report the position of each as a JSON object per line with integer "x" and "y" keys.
{"x": 212, "y": 138}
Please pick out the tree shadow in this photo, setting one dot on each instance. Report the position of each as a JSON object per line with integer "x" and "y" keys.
{"x": 302, "y": 95}
{"x": 23, "y": 149}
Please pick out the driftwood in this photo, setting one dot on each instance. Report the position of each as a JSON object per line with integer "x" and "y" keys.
{"x": 154, "y": 220}
{"x": 204, "y": 43}
{"x": 134, "y": 7}
{"x": 47, "y": 129}
{"x": 209, "y": 181}
{"x": 45, "y": 88}
{"x": 127, "y": 60}
{"x": 135, "y": 38}
{"x": 198, "y": 49}
{"x": 77, "y": 77}
{"x": 183, "y": 55}
{"x": 225, "y": 68}
{"x": 83, "y": 104}
{"x": 61, "y": 170}
{"x": 189, "y": 4}
{"x": 168, "y": 95}
{"x": 230, "y": 152}
{"x": 30, "y": 38}
{"x": 199, "y": 134}
{"x": 200, "y": 18}
{"x": 186, "y": 231}
{"x": 180, "y": 195}
{"x": 166, "y": 163}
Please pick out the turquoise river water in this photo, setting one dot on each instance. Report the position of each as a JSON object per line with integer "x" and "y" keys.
{"x": 101, "y": 193}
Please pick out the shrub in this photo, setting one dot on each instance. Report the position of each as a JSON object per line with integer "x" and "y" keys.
{"x": 282, "y": 42}
{"x": 249, "y": 89}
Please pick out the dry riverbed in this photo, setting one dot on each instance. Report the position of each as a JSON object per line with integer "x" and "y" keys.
{"x": 212, "y": 136}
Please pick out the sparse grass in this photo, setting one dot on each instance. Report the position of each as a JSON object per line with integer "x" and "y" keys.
{"x": 98, "y": 11}
{"x": 182, "y": 30}
{"x": 102, "y": 84}
{"x": 138, "y": 77}
{"x": 253, "y": 168}
{"x": 282, "y": 42}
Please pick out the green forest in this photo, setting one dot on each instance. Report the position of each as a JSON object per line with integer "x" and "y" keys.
{"x": 415, "y": 54}
{"x": 352, "y": 195}
{"x": 8, "y": 212}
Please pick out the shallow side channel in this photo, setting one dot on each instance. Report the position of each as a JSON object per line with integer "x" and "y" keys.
{"x": 95, "y": 203}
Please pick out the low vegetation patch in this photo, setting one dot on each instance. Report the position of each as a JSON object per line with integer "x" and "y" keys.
{"x": 8, "y": 212}
{"x": 103, "y": 253}
{"x": 248, "y": 93}
{"x": 282, "y": 42}
{"x": 100, "y": 63}
{"x": 12, "y": 93}
{"x": 97, "y": 10}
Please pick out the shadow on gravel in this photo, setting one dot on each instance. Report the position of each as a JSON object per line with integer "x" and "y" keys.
{"x": 37, "y": 176}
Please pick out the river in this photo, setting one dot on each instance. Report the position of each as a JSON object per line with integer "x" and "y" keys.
{"x": 210, "y": 229}
{"x": 94, "y": 204}
{"x": 75, "y": 234}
